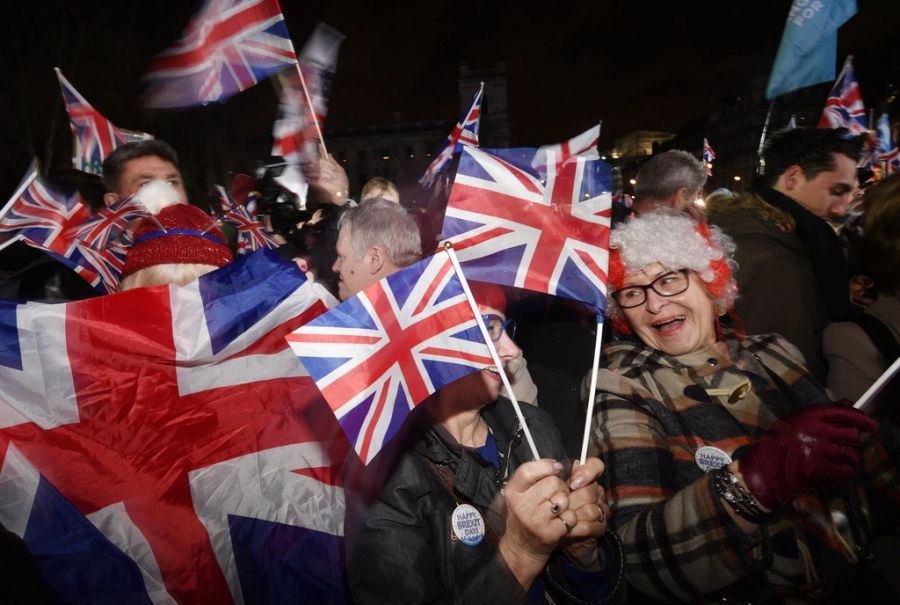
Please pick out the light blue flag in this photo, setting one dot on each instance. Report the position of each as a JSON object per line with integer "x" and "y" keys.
{"x": 808, "y": 49}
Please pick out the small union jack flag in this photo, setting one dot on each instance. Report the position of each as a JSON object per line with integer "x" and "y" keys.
{"x": 509, "y": 228}
{"x": 228, "y": 46}
{"x": 93, "y": 136}
{"x": 887, "y": 147}
{"x": 583, "y": 145}
{"x": 379, "y": 354}
{"x": 43, "y": 216}
{"x": 708, "y": 156}
{"x": 94, "y": 246}
{"x": 464, "y": 134}
{"x": 252, "y": 235}
{"x": 844, "y": 107}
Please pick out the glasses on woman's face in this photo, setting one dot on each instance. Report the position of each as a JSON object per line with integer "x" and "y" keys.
{"x": 496, "y": 326}
{"x": 667, "y": 284}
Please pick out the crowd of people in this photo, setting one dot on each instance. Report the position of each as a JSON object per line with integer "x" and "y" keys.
{"x": 727, "y": 463}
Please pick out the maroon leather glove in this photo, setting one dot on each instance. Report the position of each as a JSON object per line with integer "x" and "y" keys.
{"x": 810, "y": 447}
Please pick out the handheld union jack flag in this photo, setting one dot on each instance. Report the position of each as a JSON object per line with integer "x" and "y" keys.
{"x": 844, "y": 107}
{"x": 888, "y": 153}
{"x": 379, "y": 354}
{"x": 708, "y": 156}
{"x": 583, "y": 145}
{"x": 227, "y": 47}
{"x": 464, "y": 134}
{"x": 252, "y": 235}
{"x": 163, "y": 445}
{"x": 102, "y": 240}
{"x": 94, "y": 246}
{"x": 93, "y": 136}
{"x": 509, "y": 228}
{"x": 42, "y": 216}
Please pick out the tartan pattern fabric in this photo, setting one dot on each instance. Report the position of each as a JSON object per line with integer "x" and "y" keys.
{"x": 654, "y": 411}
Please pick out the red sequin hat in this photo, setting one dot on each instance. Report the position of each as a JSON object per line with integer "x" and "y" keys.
{"x": 180, "y": 233}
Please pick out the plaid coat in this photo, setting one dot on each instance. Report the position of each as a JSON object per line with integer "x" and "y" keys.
{"x": 654, "y": 412}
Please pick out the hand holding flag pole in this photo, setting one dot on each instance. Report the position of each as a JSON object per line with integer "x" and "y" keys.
{"x": 448, "y": 247}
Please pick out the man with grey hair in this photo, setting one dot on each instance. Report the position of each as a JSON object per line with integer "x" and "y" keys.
{"x": 375, "y": 239}
{"x": 673, "y": 179}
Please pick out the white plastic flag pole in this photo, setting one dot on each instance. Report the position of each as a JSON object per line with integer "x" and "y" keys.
{"x": 490, "y": 344}
{"x": 867, "y": 397}
{"x": 592, "y": 395}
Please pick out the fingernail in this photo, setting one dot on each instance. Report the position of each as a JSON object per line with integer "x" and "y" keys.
{"x": 557, "y": 466}
{"x": 577, "y": 482}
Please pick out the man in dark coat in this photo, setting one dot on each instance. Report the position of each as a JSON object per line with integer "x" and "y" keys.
{"x": 792, "y": 272}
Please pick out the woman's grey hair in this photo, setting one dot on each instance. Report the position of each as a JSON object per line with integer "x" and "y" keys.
{"x": 378, "y": 221}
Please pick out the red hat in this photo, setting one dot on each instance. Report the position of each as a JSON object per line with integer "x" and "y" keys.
{"x": 180, "y": 233}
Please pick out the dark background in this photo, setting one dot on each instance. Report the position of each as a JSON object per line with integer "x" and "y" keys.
{"x": 633, "y": 64}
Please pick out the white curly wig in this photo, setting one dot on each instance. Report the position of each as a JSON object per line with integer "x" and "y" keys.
{"x": 676, "y": 241}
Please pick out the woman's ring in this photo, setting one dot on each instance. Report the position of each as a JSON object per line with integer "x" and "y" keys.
{"x": 555, "y": 508}
{"x": 568, "y": 527}
{"x": 602, "y": 516}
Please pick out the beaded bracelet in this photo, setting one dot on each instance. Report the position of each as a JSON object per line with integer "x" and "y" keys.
{"x": 741, "y": 501}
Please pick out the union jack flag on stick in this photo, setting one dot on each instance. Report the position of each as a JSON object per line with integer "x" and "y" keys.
{"x": 303, "y": 105}
{"x": 42, "y": 216}
{"x": 228, "y": 46}
{"x": 708, "y": 156}
{"x": 93, "y": 136}
{"x": 378, "y": 355}
{"x": 508, "y": 227}
{"x": 888, "y": 154}
{"x": 94, "y": 246}
{"x": 583, "y": 145}
{"x": 252, "y": 235}
{"x": 464, "y": 134}
{"x": 844, "y": 107}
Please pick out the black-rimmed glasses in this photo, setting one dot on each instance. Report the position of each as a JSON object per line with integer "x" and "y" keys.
{"x": 496, "y": 326}
{"x": 667, "y": 284}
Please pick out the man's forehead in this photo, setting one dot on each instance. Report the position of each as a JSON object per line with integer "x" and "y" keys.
{"x": 151, "y": 165}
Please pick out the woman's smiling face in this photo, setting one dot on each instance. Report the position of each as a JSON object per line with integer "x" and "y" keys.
{"x": 677, "y": 324}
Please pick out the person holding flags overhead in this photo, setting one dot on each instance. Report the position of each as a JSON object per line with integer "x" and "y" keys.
{"x": 468, "y": 516}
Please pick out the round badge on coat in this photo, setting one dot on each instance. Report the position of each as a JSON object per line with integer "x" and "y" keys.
{"x": 468, "y": 524}
{"x": 711, "y": 458}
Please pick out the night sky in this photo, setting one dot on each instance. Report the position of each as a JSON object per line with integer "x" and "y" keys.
{"x": 634, "y": 65}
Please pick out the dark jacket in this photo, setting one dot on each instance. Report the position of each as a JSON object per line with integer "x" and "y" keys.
{"x": 781, "y": 262}
{"x": 401, "y": 549}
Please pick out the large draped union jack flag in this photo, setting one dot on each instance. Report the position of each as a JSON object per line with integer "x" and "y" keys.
{"x": 227, "y": 47}
{"x": 163, "y": 445}
{"x": 844, "y": 107}
{"x": 464, "y": 134}
{"x": 93, "y": 136}
{"x": 382, "y": 352}
{"x": 510, "y": 227}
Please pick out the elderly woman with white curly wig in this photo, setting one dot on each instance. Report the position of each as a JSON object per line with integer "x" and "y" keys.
{"x": 717, "y": 445}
